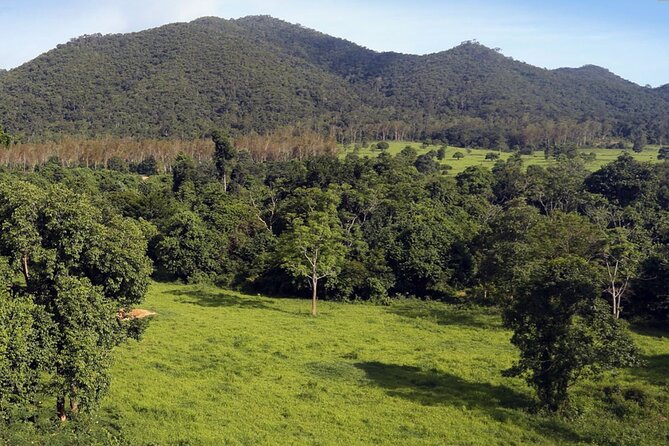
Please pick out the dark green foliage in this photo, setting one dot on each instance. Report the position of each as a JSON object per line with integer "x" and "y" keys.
{"x": 640, "y": 142}
{"x": 187, "y": 249}
{"x": 259, "y": 73}
{"x": 5, "y": 139}
{"x": 148, "y": 166}
{"x": 622, "y": 181}
{"x": 224, "y": 153}
{"x": 563, "y": 330}
{"x": 663, "y": 153}
{"x": 79, "y": 268}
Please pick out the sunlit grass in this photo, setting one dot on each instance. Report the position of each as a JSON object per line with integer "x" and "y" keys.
{"x": 216, "y": 367}
{"x": 476, "y": 157}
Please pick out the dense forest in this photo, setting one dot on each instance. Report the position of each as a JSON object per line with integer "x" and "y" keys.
{"x": 568, "y": 255}
{"x": 261, "y": 74}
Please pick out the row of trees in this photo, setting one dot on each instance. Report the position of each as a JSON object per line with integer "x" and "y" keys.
{"x": 129, "y": 154}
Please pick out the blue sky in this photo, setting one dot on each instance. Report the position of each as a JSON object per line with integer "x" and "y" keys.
{"x": 629, "y": 37}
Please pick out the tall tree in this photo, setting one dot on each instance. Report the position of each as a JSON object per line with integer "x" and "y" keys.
{"x": 313, "y": 247}
{"x": 224, "y": 153}
{"x": 564, "y": 330}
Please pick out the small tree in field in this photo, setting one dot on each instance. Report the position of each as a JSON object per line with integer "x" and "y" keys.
{"x": 312, "y": 247}
{"x": 383, "y": 145}
{"x": 564, "y": 330}
{"x": 458, "y": 155}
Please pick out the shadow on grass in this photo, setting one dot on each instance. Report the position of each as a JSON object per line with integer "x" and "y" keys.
{"x": 213, "y": 300}
{"x": 435, "y": 388}
{"x": 655, "y": 370}
{"x": 210, "y": 299}
{"x": 446, "y": 314}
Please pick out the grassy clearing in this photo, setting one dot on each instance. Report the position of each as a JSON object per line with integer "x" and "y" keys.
{"x": 216, "y": 367}
{"x": 476, "y": 157}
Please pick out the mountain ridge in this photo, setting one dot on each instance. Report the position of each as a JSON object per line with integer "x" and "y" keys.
{"x": 258, "y": 73}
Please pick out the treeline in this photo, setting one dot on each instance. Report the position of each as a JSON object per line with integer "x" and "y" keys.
{"x": 152, "y": 156}
{"x": 406, "y": 228}
{"x": 510, "y": 135}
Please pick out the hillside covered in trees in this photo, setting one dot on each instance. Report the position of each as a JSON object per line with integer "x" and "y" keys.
{"x": 259, "y": 74}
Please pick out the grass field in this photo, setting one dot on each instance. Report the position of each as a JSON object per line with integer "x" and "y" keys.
{"x": 476, "y": 157}
{"x": 216, "y": 367}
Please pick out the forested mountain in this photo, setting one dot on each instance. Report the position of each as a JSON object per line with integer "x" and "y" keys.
{"x": 664, "y": 91}
{"x": 260, "y": 73}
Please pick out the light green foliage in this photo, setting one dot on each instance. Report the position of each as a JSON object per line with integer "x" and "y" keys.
{"x": 476, "y": 157}
{"x": 312, "y": 246}
{"x": 218, "y": 367}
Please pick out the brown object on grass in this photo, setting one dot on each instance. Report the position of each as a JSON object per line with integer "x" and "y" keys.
{"x": 135, "y": 313}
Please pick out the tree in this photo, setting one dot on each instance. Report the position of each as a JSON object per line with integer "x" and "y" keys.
{"x": 623, "y": 181}
{"x": 187, "y": 248}
{"x": 88, "y": 330}
{"x": 224, "y": 153}
{"x": 492, "y": 156}
{"x": 26, "y": 351}
{"x": 312, "y": 247}
{"x": 183, "y": 170}
{"x": 382, "y": 145}
{"x": 663, "y": 153}
{"x": 621, "y": 258}
{"x": 564, "y": 330}
{"x": 458, "y": 155}
{"x": 441, "y": 153}
{"x": 5, "y": 139}
{"x": 640, "y": 142}
{"x": 80, "y": 270}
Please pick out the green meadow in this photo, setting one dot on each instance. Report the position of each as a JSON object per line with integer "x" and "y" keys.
{"x": 476, "y": 157}
{"x": 220, "y": 368}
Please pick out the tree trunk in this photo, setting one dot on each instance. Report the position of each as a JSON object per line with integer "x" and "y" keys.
{"x": 74, "y": 404}
{"x": 225, "y": 182}
{"x": 60, "y": 408}
{"x": 314, "y": 297}
{"x": 26, "y": 275}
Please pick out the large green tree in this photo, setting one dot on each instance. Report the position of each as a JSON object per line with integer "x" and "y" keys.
{"x": 80, "y": 267}
{"x": 564, "y": 330}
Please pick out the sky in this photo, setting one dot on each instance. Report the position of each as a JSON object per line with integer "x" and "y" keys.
{"x": 629, "y": 37}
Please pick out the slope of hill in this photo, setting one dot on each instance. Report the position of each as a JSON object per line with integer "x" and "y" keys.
{"x": 259, "y": 73}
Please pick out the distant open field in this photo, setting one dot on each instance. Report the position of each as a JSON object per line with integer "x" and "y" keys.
{"x": 474, "y": 157}
{"x": 221, "y": 368}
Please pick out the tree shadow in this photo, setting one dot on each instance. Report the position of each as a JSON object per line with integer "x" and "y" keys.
{"x": 435, "y": 388}
{"x": 221, "y": 299}
{"x": 655, "y": 370}
{"x": 449, "y": 315}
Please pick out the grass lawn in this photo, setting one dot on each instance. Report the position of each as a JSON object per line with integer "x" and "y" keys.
{"x": 217, "y": 367}
{"x": 476, "y": 157}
